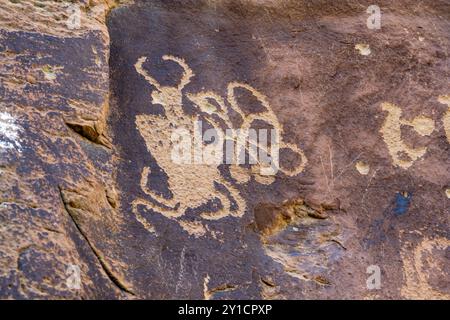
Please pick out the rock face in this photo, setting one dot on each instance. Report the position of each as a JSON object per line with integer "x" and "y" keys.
{"x": 94, "y": 204}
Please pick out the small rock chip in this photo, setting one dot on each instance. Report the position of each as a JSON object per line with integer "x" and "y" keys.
{"x": 317, "y": 214}
{"x": 364, "y": 49}
{"x": 362, "y": 167}
{"x": 31, "y": 79}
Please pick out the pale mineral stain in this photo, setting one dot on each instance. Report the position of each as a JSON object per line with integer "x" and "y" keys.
{"x": 364, "y": 49}
{"x": 444, "y": 99}
{"x": 362, "y": 167}
{"x": 49, "y": 72}
{"x": 446, "y": 120}
{"x": 206, "y": 293}
{"x": 9, "y": 132}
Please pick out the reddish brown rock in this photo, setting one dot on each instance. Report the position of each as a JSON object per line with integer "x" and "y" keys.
{"x": 89, "y": 191}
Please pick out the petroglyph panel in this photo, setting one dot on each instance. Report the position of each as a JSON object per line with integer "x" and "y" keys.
{"x": 362, "y": 141}
{"x": 114, "y": 148}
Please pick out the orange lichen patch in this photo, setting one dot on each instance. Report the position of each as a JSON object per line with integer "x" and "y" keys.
{"x": 270, "y": 218}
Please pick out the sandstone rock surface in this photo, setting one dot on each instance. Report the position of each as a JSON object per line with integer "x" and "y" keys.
{"x": 92, "y": 206}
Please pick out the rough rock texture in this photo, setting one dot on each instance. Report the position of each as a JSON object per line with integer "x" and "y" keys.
{"x": 87, "y": 182}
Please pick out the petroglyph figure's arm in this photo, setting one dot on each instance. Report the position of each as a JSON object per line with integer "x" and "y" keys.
{"x": 185, "y": 79}
{"x": 266, "y": 116}
{"x": 187, "y": 72}
{"x": 139, "y": 68}
{"x": 169, "y": 203}
{"x": 226, "y": 203}
{"x": 167, "y": 207}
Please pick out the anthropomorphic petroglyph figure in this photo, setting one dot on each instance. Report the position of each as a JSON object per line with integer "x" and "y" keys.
{"x": 403, "y": 155}
{"x": 195, "y": 185}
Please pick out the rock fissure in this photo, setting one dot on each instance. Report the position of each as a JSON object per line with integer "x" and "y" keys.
{"x": 97, "y": 254}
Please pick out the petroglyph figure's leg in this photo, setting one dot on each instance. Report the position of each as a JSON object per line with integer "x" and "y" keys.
{"x": 185, "y": 78}
{"x": 169, "y": 213}
{"x": 170, "y": 203}
{"x": 168, "y": 207}
{"x": 240, "y": 202}
{"x": 226, "y": 209}
{"x": 402, "y": 155}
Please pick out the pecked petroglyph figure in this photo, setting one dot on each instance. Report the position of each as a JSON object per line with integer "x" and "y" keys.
{"x": 418, "y": 260}
{"x": 403, "y": 155}
{"x": 195, "y": 185}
